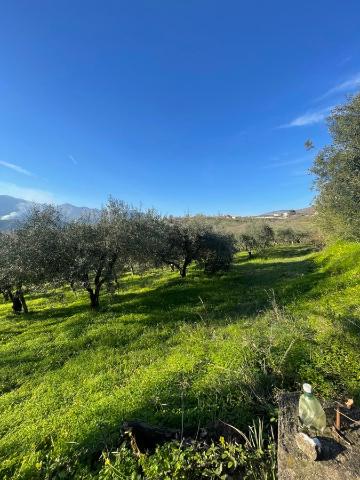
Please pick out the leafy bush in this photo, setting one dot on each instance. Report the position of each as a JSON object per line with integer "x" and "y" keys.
{"x": 255, "y": 460}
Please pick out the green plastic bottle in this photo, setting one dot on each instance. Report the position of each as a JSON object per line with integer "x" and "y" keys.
{"x": 311, "y": 412}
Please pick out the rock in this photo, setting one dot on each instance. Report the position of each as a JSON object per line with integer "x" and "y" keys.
{"x": 311, "y": 447}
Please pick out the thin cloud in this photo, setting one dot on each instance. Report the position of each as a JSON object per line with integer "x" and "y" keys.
{"x": 308, "y": 118}
{"x": 73, "y": 159}
{"x": 25, "y": 193}
{"x": 345, "y": 60}
{"x": 349, "y": 85}
{"x": 16, "y": 168}
{"x": 10, "y": 216}
{"x": 300, "y": 173}
{"x": 286, "y": 163}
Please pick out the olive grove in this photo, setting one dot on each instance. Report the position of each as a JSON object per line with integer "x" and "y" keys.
{"x": 45, "y": 250}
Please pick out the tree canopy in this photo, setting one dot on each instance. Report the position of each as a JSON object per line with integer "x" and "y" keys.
{"x": 256, "y": 236}
{"x": 337, "y": 174}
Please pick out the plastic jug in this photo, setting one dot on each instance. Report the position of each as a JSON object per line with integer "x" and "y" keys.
{"x": 311, "y": 412}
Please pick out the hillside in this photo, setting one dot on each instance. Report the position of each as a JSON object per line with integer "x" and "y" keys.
{"x": 237, "y": 225}
{"x": 290, "y": 212}
{"x": 167, "y": 350}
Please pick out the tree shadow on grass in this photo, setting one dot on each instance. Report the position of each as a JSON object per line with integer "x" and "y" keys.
{"x": 244, "y": 291}
{"x": 287, "y": 251}
{"x": 183, "y": 408}
{"x": 246, "y": 282}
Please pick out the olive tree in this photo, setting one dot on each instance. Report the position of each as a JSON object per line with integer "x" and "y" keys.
{"x": 289, "y": 235}
{"x": 180, "y": 243}
{"x": 96, "y": 250}
{"x": 217, "y": 251}
{"x": 185, "y": 240}
{"x": 31, "y": 255}
{"x": 247, "y": 242}
{"x": 337, "y": 174}
{"x": 256, "y": 236}
{"x": 13, "y": 275}
{"x": 264, "y": 234}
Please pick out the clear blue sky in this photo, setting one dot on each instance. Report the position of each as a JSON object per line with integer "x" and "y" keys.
{"x": 199, "y": 106}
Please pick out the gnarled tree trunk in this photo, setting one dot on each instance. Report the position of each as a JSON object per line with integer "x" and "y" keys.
{"x": 186, "y": 263}
{"x": 94, "y": 297}
{"x": 16, "y": 302}
{"x": 21, "y": 297}
{"x": 94, "y": 293}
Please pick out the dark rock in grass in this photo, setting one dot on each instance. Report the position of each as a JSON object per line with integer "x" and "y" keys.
{"x": 145, "y": 437}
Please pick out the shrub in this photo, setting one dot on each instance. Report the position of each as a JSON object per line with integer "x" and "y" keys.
{"x": 255, "y": 459}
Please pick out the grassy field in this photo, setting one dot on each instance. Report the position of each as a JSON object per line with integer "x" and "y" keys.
{"x": 299, "y": 223}
{"x": 168, "y": 350}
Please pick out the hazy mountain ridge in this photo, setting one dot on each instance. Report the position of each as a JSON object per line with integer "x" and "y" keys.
{"x": 299, "y": 211}
{"x": 13, "y": 209}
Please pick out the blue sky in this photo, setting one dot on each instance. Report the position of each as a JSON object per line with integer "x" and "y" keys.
{"x": 200, "y": 106}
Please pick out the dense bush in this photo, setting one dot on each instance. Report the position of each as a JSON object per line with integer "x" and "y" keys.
{"x": 255, "y": 459}
{"x": 217, "y": 251}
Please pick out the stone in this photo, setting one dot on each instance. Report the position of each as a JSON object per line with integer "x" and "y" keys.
{"x": 311, "y": 447}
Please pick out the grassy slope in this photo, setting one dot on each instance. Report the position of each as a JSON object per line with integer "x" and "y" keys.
{"x": 302, "y": 223}
{"x": 205, "y": 347}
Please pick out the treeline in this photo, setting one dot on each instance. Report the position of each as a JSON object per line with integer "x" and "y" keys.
{"x": 258, "y": 236}
{"x": 89, "y": 253}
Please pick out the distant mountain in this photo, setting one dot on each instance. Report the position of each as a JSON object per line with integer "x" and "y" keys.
{"x": 13, "y": 209}
{"x": 285, "y": 213}
{"x": 72, "y": 212}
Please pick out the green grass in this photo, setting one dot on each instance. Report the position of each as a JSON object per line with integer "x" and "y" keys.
{"x": 201, "y": 348}
{"x": 301, "y": 223}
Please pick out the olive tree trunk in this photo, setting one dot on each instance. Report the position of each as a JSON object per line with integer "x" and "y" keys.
{"x": 184, "y": 267}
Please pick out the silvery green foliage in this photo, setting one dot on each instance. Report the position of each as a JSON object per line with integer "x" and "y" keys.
{"x": 42, "y": 244}
{"x": 98, "y": 252}
{"x": 9, "y": 272}
{"x": 289, "y": 235}
{"x": 217, "y": 251}
{"x": 256, "y": 236}
{"x": 337, "y": 174}
{"x": 14, "y": 274}
{"x": 92, "y": 252}
{"x": 185, "y": 240}
{"x": 31, "y": 255}
{"x": 247, "y": 242}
